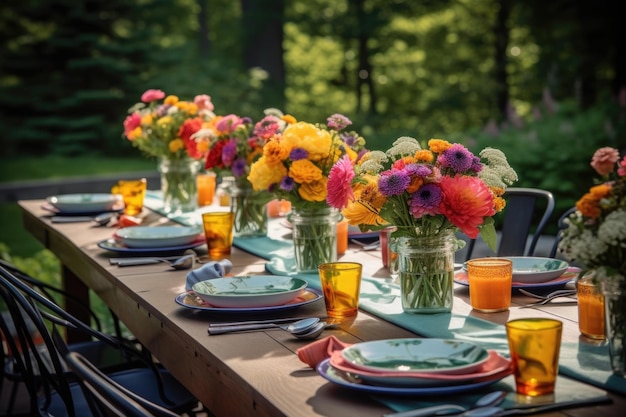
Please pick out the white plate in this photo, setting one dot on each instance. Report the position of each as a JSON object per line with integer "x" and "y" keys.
{"x": 445, "y": 356}
{"x": 69, "y": 203}
{"x": 192, "y": 301}
{"x": 250, "y": 290}
{"x": 527, "y": 270}
{"x": 157, "y": 236}
{"x": 112, "y": 245}
{"x": 334, "y": 376}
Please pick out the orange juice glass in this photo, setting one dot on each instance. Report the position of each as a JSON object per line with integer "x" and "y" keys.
{"x": 490, "y": 282}
{"x": 133, "y": 193}
{"x": 206, "y": 188}
{"x": 590, "y": 308}
{"x": 342, "y": 237}
{"x": 341, "y": 283}
{"x": 278, "y": 208}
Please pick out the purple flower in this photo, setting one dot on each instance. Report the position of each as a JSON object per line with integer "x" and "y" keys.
{"x": 229, "y": 152}
{"x": 425, "y": 200}
{"x": 162, "y": 110}
{"x": 349, "y": 138}
{"x": 338, "y": 121}
{"x": 239, "y": 167}
{"x": 418, "y": 170}
{"x": 456, "y": 157}
{"x": 287, "y": 183}
{"x": 393, "y": 182}
{"x": 298, "y": 153}
{"x": 477, "y": 166}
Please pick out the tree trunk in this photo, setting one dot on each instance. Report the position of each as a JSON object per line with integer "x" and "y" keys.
{"x": 204, "y": 44}
{"x": 364, "y": 76}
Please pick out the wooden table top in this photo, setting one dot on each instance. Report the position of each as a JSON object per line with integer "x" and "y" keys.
{"x": 246, "y": 374}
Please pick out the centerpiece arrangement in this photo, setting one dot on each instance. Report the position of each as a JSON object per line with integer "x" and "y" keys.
{"x": 162, "y": 127}
{"x": 235, "y": 143}
{"x": 596, "y": 237}
{"x": 427, "y": 194}
{"x": 295, "y": 166}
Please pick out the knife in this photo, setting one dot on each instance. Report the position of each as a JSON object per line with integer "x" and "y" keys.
{"x": 501, "y": 412}
{"x": 268, "y": 321}
{"x": 147, "y": 259}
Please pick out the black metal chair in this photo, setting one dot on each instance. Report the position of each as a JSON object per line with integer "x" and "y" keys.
{"x": 54, "y": 390}
{"x": 108, "y": 394}
{"x": 560, "y": 225}
{"x": 525, "y": 208}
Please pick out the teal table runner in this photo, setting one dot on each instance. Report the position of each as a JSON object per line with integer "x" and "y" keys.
{"x": 581, "y": 361}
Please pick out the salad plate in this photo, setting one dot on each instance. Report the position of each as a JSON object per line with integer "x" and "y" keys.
{"x": 157, "y": 236}
{"x": 83, "y": 203}
{"x": 115, "y": 246}
{"x": 527, "y": 269}
{"x": 460, "y": 277}
{"x": 192, "y": 301}
{"x": 250, "y": 290}
{"x": 444, "y": 356}
{"x": 335, "y": 376}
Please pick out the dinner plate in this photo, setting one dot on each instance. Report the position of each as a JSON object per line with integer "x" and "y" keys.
{"x": 528, "y": 269}
{"x": 157, "y": 236}
{"x": 333, "y": 375}
{"x": 80, "y": 203}
{"x": 497, "y": 366}
{"x": 192, "y": 301}
{"x": 250, "y": 290}
{"x": 445, "y": 356}
{"x": 460, "y": 277}
{"x": 114, "y": 246}
{"x": 119, "y": 207}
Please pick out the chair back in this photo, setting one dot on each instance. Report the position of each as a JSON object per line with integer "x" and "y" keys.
{"x": 110, "y": 395}
{"x": 527, "y": 213}
{"x": 560, "y": 225}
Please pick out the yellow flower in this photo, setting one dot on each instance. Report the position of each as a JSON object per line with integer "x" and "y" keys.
{"x": 314, "y": 190}
{"x": 274, "y": 152}
{"x": 262, "y": 174}
{"x": 176, "y": 145}
{"x": 438, "y": 145}
{"x": 304, "y": 171}
{"x": 424, "y": 156}
{"x": 165, "y": 120}
{"x": 289, "y": 119}
{"x": 171, "y": 100}
{"x": 316, "y": 142}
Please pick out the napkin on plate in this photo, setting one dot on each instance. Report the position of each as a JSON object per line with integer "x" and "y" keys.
{"x": 314, "y": 353}
{"x": 213, "y": 269}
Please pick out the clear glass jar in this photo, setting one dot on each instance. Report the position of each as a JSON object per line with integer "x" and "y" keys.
{"x": 250, "y": 211}
{"x": 314, "y": 237}
{"x": 178, "y": 185}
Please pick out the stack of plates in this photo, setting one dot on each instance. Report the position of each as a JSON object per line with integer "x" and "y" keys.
{"x": 415, "y": 366}
{"x": 83, "y": 204}
{"x": 154, "y": 239}
{"x": 249, "y": 293}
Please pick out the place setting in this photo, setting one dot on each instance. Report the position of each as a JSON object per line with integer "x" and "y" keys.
{"x": 99, "y": 208}
{"x": 154, "y": 239}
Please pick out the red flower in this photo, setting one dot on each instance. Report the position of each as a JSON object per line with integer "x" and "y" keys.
{"x": 188, "y": 128}
{"x": 214, "y": 157}
{"x": 466, "y": 202}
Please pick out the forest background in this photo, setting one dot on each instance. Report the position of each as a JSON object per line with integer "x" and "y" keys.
{"x": 543, "y": 81}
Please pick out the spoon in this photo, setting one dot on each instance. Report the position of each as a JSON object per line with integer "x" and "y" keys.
{"x": 490, "y": 400}
{"x": 314, "y": 331}
{"x": 186, "y": 261}
{"x": 296, "y": 328}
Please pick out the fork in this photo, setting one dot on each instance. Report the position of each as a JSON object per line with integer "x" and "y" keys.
{"x": 545, "y": 299}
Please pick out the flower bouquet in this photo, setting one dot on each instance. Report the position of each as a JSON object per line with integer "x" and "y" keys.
{"x": 235, "y": 143}
{"x": 427, "y": 194}
{"x": 164, "y": 130}
{"x": 596, "y": 237}
{"x": 294, "y": 166}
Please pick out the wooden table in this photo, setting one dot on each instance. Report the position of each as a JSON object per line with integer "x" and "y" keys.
{"x": 247, "y": 374}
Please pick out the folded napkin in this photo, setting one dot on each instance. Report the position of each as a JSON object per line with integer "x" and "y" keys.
{"x": 314, "y": 353}
{"x": 496, "y": 365}
{"x": 213, "y": 269}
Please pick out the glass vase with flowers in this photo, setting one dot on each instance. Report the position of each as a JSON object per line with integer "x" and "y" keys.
{"x": 162, "y": 127}
{"x": 595, "y": 237}
{"x": 426, "y": 194}
{"x": 294, "y": 166}
{"x": 234, "y": 144}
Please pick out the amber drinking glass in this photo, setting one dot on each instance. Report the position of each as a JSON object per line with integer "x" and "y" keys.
{"x": 133, "y": 193}
{"x": 218, "y": 231}
{"x": 341, "y": 283}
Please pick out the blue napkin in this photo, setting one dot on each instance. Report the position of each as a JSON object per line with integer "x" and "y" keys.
{"x": 209, "y": 270}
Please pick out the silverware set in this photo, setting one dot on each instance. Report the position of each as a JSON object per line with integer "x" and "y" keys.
{"x": 545, "y": 299}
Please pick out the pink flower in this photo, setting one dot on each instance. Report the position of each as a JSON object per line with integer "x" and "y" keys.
{"x": 621, "y": 171}
{"x": 131, "y": 122}
{"x": 203, "y": 102}
{"x": 339, "y": 178}
{"x": 229, "y": 123}
{"x": 466, "y": 202}
{"x": 152, "y": 95}
{"x": 604, "y": 160}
